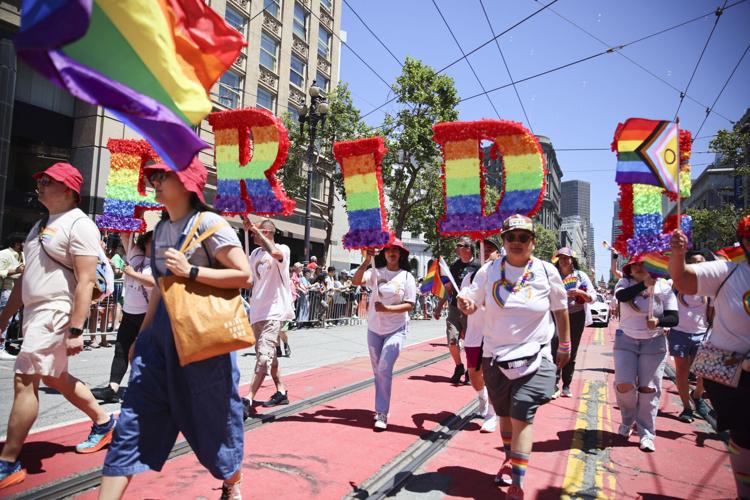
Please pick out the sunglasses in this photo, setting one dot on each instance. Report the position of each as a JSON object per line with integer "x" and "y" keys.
{"x": 463, "y": 245}
{"x": 157, "y": 176}
{"x": 44, "y": 181}
{"x": 523, "y": 238}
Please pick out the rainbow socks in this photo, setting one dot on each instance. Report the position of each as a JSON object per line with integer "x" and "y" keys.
{"x": 507, "y": 438}
{"x": 518, "y": 462}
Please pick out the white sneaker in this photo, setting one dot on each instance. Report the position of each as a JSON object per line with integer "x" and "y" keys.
{"x": 6, "y": 356}
{"x": 625, "y": 430}
{"x": 381, "y": 421}
{"x": 484, "y": 405}
{"x": 489, "y": 425}
{"x": 231, "y": 491}
{"x": 647, "y": 444}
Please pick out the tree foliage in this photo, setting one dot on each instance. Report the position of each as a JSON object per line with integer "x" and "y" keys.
{"x": 546, "y": 242}
{"x": 733, "y": 146}
{"x": 715, "y": 228}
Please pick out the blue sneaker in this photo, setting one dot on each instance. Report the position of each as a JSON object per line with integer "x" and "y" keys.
{"x": 100, "y": 436}
{"x": 11, "y": 473}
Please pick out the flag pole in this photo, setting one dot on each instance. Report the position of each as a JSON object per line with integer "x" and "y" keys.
{"x": 679, "y": 168}
{"x": 481, "y": 252}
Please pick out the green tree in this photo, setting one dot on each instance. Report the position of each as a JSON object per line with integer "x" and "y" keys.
{"x": 344, "y": 122}
{"x": 733, "y": 146}
{"x": 411, "y": 169}
{"x": 715, "y": 228}
{"x": 546, "y": 242}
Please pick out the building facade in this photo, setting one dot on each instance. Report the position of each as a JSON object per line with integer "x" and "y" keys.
{"x": 575, "y": 229}
{"x": 576, "y": 202}
{"x": 291, "y": 44}
{"x": 550, "y": 214}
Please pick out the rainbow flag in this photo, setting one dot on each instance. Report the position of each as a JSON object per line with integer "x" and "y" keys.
{"x": 432, "y": 282}
{"x": 570, "y": 283}
{"x": 656, "y": 264}
{"x": 733, "y": 253}
{"x": 149, "y": 62}
{"x": 648, "y": 153}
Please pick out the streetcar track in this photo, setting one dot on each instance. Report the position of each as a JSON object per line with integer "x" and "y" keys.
{"x": 82, "y": 482}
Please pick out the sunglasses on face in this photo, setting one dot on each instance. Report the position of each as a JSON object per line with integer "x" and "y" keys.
{"x": 44, "y": 181}
{"x": 523, "y": 238}
{"x": 158, "y": 176}
{"x": 463, "y": 245}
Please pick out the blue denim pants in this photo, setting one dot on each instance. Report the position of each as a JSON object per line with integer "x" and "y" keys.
{"x": 384, "y": 351}
{"x": 641, "y": 364}
{"x": 201, "y": 400}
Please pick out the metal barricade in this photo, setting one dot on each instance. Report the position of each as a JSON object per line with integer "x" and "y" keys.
{"x": 330, "y": 308}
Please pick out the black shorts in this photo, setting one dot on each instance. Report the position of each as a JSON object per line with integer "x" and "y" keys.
{"x": 519, "y": 398}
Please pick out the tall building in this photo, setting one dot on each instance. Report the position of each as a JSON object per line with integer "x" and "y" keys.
{"x": 575, "y": 228}
{"x": 576, "y": 202}
{"x": 550, "y": 215}
{"x": 291, "y": 44}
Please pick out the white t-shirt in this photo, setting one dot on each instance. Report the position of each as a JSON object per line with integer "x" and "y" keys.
{"x": 272, "y": 297}
{"x": 136, "y": 293}
{"x": 393, "y": 288}
{"x": 46, "y": 283}
{"x": 692, "y": 312}
{"x": 516, "y": 325}
{"x": 474, "y": 322}
{"x": 633, "y": 314}
{"x": 731, "y": 326}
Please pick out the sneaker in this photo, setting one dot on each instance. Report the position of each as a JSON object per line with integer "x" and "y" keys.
{"x": 381, "y": 421}
{"x": 466, "y": 378}
{"x": 701, "y": 407}
{"x": 489, "y": 425}
{"x": 484, "y": 407}
{"x": 503, "y": 476}
{"x": 514, "y": 493}
{"x": 105, "y": 394}
{"x": 287, "y": 351}
{"x": 231, "y": 491}
{"x": 647, "y": 444}
{"x": 277, "y": 399}
{"x": 457, "y": 373}
{"x": 625, "y": 430}
{"x": 278, "y": 351}
{"x": 11, "y": 473}
{"x": 99, "y": 437}
{"x": 6, "y": 356}
{"x": 248, "y": 408}
{"x": 686, "y": 416}
{"x": 566, "y": 392}
{"x": 556, "y": 394}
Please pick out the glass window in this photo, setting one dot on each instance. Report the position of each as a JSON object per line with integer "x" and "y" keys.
{"x": 328, "y": 4}
{"x": 300, "y": 21}
{"x": 324, "y": 43}
{"x": 266, "y": 100}
{"x": 297, "y": 72}
{"x": 269, "y": 51}
{"x": 317, "y": 186}
{"x": 230, "y": 89}
{"x": 273, "y": 7}
{"x": 293, "y": 113}
{"x": 236, "y": 19}
{"x": 322, "y": 81}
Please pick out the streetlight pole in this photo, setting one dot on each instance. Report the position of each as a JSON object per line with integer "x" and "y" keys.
{"x": 316, "y": 113}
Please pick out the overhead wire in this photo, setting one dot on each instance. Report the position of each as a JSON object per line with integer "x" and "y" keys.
{"x": 471, "y": 67}
{"x": 505, "y": 63}
{"x": 719, "y": 11}
{"x": 373, "y": 34}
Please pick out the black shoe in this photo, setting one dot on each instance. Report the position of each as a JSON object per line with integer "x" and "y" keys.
{"x": 287, "y": 351}
{"x": 457, "y": 373}
{"x": 248, "y": 410}
{"x": 277, "y": 399}
{"x": 686, "y": 416}
{"x": 105, "y": 394}
{"x": 278, "y": 351}
{"x": 466, "y": 377}
{"x": 701, "y": 408}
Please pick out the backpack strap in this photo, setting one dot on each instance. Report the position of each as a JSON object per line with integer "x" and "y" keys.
{"x": 725, "y": 280}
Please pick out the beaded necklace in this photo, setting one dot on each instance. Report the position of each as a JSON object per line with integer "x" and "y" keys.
{"x": 520, "y": 283}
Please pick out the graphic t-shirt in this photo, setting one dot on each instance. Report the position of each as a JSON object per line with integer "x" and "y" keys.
{"x": 393, "y": 287}
{"x": 272, "y": 296}
{"x": 136, "y": 293}
{"x": 517, "y": 324}
{"x": 460, "y": 269}
{"x": 474, "y": 322}
{"x": 731, "y": 326}
{"x": 46, "y": 283}
{"x": 633, "y": 314}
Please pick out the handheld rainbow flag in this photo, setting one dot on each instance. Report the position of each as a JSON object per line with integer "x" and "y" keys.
{"x": 433, "y": 282}
{"x": 150, "y": 62}
{"x": 733, "y": 254}
{"x": 656, "y": 264}
{"x": 570, "y": 283}
{"x": 648, "y": 153}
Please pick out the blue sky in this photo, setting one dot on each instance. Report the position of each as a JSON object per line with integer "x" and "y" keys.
{"x": 576, "y": 107}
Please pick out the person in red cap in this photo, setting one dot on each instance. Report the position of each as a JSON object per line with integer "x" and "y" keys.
{"x": 640, "y": 349}
{"x": 62, "y": 251}
{"x": 727, "y": 284}
{"x": 200, "y": 400}
{"x": 394, "y": 292}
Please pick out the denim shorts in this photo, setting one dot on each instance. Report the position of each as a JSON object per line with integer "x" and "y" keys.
{"x": 684, "y": 345}
{"x": 201, "y": 400}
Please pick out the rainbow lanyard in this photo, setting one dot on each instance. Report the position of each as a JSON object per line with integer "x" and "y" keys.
{"x": 520, "y": 283}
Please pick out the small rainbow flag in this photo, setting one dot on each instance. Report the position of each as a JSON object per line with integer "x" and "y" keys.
{"x": 648, "y": 153}
{"x": 733, "y": 253}
{"x": 570, "y": 283}
{"x": 656, "y": 264}
{"x": 150, "y": 62}
{"x": 433, "y": 283}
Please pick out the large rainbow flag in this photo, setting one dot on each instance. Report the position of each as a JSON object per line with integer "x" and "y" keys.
{"x": 648, "y": 153}
{"x": 733, "y": 254}
{"x": 433, "y": 283}
{"x": 150, "y": 62}
{"x": 657, "y": 265}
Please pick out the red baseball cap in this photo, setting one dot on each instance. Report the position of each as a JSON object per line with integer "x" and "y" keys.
{"x": 64, "y": 173}
{"x": 193, "y": 177}
{"x": 635, "y": 259}
{"x": 397, "y": 243}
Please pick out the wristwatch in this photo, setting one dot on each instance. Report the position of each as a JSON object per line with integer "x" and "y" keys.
{"x": 75, "y": 332}
{"x": 193, "y": 272}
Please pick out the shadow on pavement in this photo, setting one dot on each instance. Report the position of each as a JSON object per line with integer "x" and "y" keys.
{"x": 35, "y": 452}
{"x": 440, "y": 379}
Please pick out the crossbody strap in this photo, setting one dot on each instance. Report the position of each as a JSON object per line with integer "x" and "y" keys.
{"x": 189, "y": 243}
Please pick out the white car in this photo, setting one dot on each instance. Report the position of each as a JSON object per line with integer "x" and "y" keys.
{"x": 599, "y": 312}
